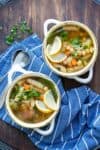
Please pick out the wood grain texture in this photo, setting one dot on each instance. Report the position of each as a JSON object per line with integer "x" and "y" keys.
{"x": 35, "y": 12}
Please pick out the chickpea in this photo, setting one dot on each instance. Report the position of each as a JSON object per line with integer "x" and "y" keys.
{"x": 91, "y": 50}
{"x": 85, "y": 63}
{"x": 81, "y": 34}
{"x": 79, "y": 53}
{"x": 79, "y": 62}
{"x": 84, "y": 39}
{"x": 45, "y": 88}
{"x": 63, "y": 49}
{"x": 71, "y": 49}
{"x": 87, "y": 51}
{"x": 83, "y": 53}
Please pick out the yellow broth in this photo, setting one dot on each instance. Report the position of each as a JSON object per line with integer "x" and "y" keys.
{"x": 23, "y": 97}
{"x": 77, "y": 45}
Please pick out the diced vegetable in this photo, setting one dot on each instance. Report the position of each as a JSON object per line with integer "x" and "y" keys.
{"x": 26, "y": 86}
{"x": 74, "y": 62}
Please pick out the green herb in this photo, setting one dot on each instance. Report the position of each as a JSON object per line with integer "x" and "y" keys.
{"x": 27, "y": 95}
{"x": 64, "y": 35}
{"x": 58, "y": 32}
{"x": 15, "y": 91}
{"x": 9, "y": 39}
{"x": 31, "y": 93}
{"x": 51, "y": 38}
{"x": 85, "y": 47}
{"x": 75, "y": 54}
{"x": 18, "y": 31}
{"x": 76, "y": 43}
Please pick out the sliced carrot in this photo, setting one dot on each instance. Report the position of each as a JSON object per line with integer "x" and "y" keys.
{"x": 74, "y": 62}
{"x": 26, "y": 86}
{"x": 42, "y": 97}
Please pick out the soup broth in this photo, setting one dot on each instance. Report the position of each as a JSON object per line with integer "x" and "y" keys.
{"x": 29, "y": 99}
{"x": 69, "y": 48}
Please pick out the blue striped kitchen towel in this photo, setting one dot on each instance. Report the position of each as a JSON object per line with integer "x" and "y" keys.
{"x": 78, "y": 122}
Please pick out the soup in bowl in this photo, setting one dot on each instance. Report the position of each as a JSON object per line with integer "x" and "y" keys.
{"x": 33, "y": 100}
{"x": 70, "y": 48}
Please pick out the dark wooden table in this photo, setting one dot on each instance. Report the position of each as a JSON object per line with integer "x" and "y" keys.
{"x": 35, "y": 12}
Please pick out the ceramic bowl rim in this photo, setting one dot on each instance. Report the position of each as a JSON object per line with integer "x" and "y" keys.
{"x": 32, "y": 125}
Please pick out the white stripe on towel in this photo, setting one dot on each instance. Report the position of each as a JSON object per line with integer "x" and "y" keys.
{"x": 36, "y": 47}
{"x": 71, "y": 126}
{"x": 64, "y": 93}
{"x": 87, "y": 112}
{"x": 58, "y": 81}
{"x": 76, "y": 147}
{"x": 50, "y": 73}
{"x": 69, "y": 113}
{"x": 94, "y": 99}
{"x": 41, "y": 138}
{"x": 64, "y": 145}
{"x": 41, "y": 67}
{"x": 6, "y": 53}
{"x": 4, "y": 117}
{"x": 83, "y": 123}
{"x": 22, "y": 128}
{"x": 41, "y": 57}
{"x": 94, "y": 137}
{"x": 57, "y": 123}
{"x": 85, "y": 144}
{"x": 34, "y": 36}
{"x": 97, "y": 110}
{"x": 78, "y": 97}
{"x": 62, "y": 138}
{"x": 98, "y": 118}
{"x": 12, "y": 123}
{"x": 31, "y": 134}
{"x": 53, "y": 138}
{"x": 46, "y": 148}
{"x": 32, "y": 62}
{"x": 88, "y": 89}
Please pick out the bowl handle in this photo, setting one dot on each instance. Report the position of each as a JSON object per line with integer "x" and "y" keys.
{"x": 47, "y": 22}
{"x": 16, "y": 68}
{"x": 48, "y": 131}
{"x": 85, "y": 80}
